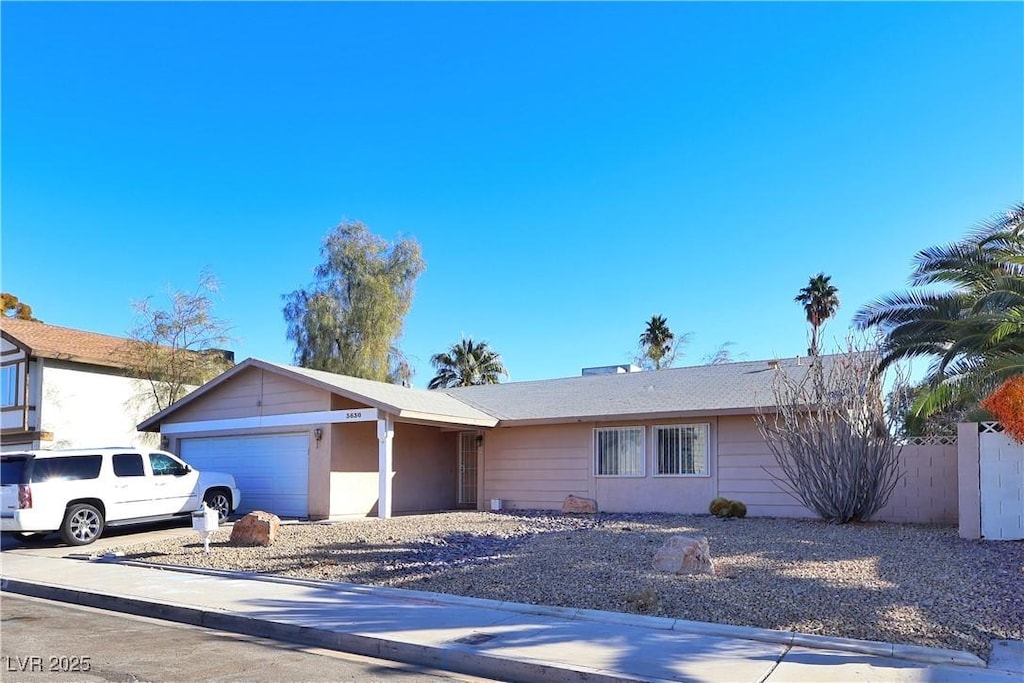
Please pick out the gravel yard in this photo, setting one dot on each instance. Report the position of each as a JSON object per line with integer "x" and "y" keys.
{"x": 907, "y": 584}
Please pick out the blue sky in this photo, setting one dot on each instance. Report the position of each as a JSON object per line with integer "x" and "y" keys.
{"x": 569, "y": 169}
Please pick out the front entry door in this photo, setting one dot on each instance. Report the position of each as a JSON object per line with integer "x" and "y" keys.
{"x": 467, "y": 468}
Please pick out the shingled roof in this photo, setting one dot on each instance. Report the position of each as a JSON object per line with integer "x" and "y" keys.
{"x": 729, "y": 388}
{"x": 63, "y": 343}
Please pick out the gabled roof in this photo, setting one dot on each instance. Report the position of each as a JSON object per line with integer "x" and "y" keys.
{"x": 63, "y": 343}
{"x": 728, "y": 388}
{"x": 402, "y": 402}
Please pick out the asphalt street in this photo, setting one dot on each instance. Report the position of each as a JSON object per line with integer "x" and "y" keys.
{"x": 45, "y": 641}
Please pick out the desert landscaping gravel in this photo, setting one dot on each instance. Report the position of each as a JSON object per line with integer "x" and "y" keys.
{"x": 920, "y": 585}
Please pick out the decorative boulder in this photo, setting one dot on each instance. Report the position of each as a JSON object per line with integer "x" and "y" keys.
{"x": 577, "y": 505}
{"x": 256, "y": 528}
{"x": 685, "y": 555}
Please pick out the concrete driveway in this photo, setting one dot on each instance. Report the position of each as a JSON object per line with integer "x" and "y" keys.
{"x": 52, "y": 546}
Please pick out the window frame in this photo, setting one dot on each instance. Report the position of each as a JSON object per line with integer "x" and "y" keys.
{"x": 114, "y": 461}
{"x": 642, "y": 457}
{"x": 16, "y": 371}
{"x": 682, "y": 475}
{"x": 180, "y": 470}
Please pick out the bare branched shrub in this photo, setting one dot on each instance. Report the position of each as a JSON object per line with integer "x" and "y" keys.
{"x": 172, "y": 351}
{"x": 830, "y": 437}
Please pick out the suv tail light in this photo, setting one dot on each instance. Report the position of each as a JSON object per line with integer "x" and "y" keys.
{"x": 24, "y": 496}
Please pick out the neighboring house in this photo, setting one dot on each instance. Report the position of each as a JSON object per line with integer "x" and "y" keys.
{"x": 314, "y": 444}
{"x": 64, "y": 388}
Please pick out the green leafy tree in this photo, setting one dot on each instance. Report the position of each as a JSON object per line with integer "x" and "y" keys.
{"x": 659, "y": 346}
{"x": 174, "y": 349}
{"x": 971, "y": 325}
{"x": 350, "y": 318}
{"x": 15, "y": 308}
{"x": 467, "y": 364}
{"x": 820, "y": 300}
{"x": 906, "y": 422}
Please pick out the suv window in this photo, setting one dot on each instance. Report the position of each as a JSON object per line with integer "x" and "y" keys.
{"x": 128, "y": 465}
{"x": 70, "y": 468}
{"x": 12, "y": 470}
{"x": 165, "y": 465}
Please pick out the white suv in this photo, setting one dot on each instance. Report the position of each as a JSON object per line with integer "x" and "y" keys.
{"x": 80, "y": 492}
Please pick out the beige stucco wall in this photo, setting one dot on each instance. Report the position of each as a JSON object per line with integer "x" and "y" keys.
{"x": 536, "y": 467}
{"x": 925, "y": 494}
{"x": 254, "y": 392}
{"x": 969, "y": 480}
{"x": 423, "y": 477}
{"x": 745, "y": 471}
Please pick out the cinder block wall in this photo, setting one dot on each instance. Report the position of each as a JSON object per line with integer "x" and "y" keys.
{"x": 927, "y": 493}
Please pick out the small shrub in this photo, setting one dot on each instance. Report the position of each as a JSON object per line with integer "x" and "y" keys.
{"x": 718, "y": 506}
{"x": 645, "y": 601}
{"x": 723, "y": 507}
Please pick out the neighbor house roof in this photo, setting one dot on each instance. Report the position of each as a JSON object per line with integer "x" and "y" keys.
{"x": 63, "y": 343}
{"x": 728, "y": 388}
{"x": 731, "y": 388}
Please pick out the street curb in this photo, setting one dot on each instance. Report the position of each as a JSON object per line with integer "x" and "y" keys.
{"x": 451, "y": 657}
{"x": 915, "y": 653}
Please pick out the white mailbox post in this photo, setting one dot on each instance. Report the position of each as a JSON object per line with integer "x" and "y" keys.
{"x": 205, "y": 521}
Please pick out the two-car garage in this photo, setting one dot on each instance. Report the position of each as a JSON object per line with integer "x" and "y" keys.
{"x": 272, "y": 470}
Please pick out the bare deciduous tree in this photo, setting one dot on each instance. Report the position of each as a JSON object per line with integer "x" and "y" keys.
{"x": 837, "y": 456}
{"x": 171, "y": 351}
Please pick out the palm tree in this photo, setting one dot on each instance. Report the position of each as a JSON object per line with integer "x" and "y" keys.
{"x": 973, "y": 328}
{"x": 658, "y": 344}
{"x": 820, "y": 300}
{"x": 466, "y": 364}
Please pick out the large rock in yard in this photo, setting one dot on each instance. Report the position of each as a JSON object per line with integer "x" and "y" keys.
{"x": 256, "y": 528}
{"x": 577, "y": 505}
{"x": 685, "y": 555}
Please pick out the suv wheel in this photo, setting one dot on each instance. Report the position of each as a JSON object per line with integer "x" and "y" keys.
{"x": 82, "y": 524}
{"x": 219, "y": 501}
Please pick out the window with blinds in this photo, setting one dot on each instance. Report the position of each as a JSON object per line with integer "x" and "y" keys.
{"x": 619, "y": 452}
{"x": 681, "y": 450}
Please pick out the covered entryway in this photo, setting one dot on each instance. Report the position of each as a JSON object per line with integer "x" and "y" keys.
{"x": 271, "y": 470}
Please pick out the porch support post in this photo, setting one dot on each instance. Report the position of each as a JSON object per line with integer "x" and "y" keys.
{"x": 385, "y": 452}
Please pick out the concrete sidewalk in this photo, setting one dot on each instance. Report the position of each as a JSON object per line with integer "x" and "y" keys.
{"x": 505, "y": 641}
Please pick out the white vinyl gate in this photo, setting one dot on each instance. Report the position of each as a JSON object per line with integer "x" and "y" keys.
{"x": 271, "y": 470}
{"x": 1002, "y": 487}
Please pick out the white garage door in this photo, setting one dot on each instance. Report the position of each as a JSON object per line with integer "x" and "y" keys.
{"x": 272, "y": 470}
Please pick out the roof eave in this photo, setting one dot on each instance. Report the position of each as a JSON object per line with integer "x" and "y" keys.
{"x": 420, "y": 416}
{"x": 624, "y": 417}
